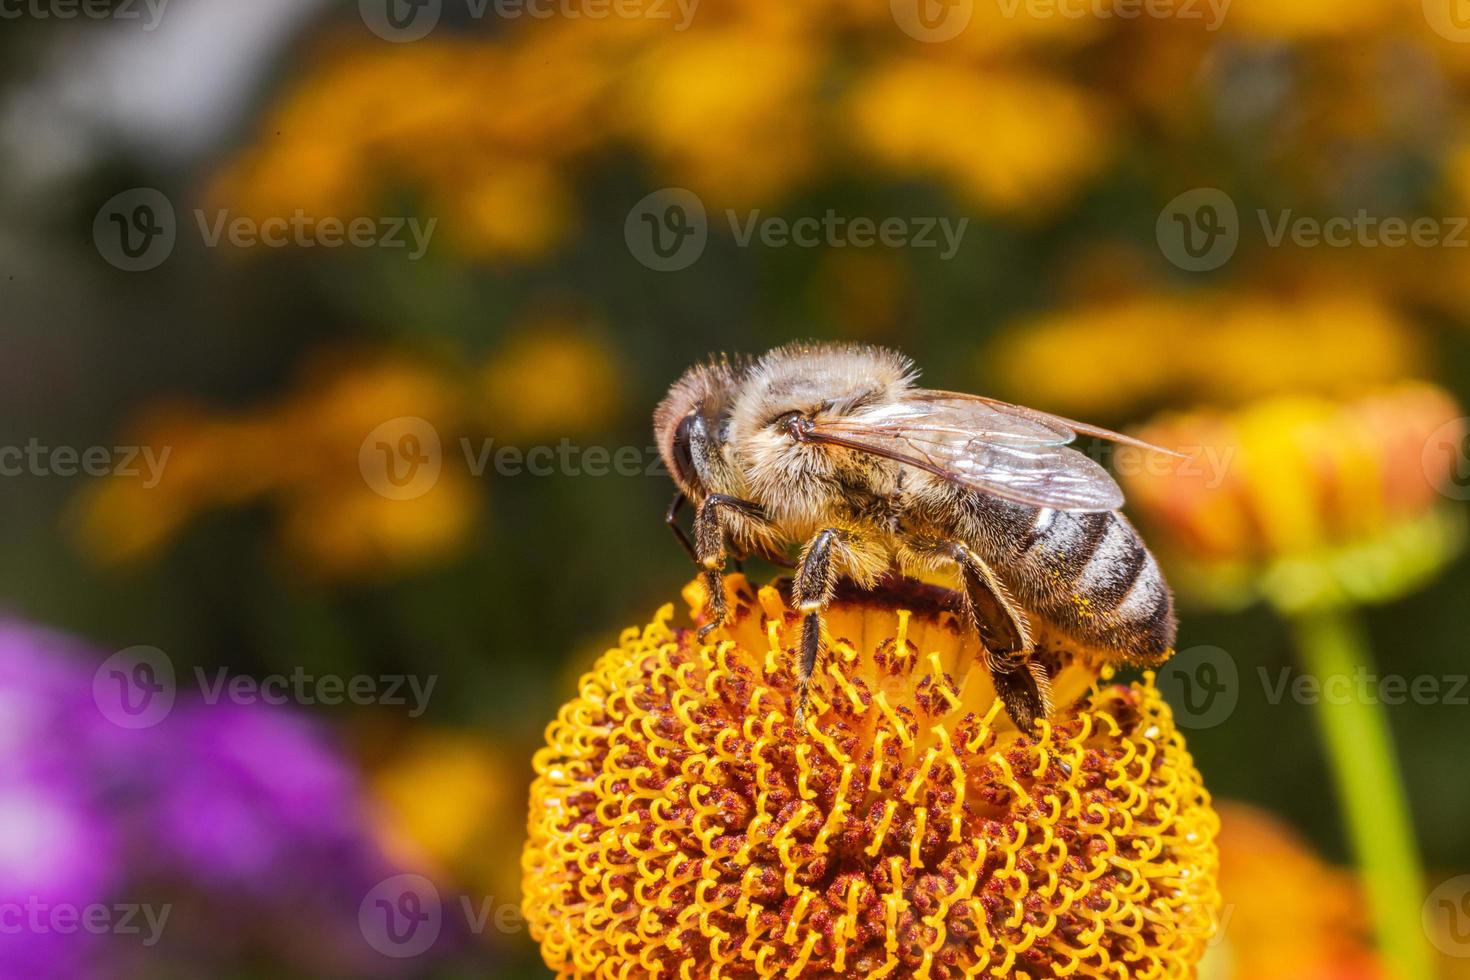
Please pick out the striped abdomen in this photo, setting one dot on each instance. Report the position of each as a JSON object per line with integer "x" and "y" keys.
{"x": 1088, "y": 573}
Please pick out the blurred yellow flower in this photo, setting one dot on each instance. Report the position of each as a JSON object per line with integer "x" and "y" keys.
{"x": 729, "y": 114}
{"x": 553, "y": 377}
{"x": 1109, "y": 358}
{"x": 470, "y": 126}
{"x": 487, "y": 133}
{"x": 449, "y": 802}
{"x": 1306, "y": 501}
{"x": 993, "y": 134}
{"x": 516, "y": 208}
{"x": 309, "y": 456}
{"x": 679, "y": 825}
{"x": 1288, "y": 915}
{"x": 1308, "y": 19}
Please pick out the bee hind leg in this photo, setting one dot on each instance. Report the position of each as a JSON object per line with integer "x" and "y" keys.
{"x": 816, "y": 579}
{"x": 1022, "y": 685}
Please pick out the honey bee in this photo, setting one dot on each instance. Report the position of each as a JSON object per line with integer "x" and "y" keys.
{"x": 833, "y": 448}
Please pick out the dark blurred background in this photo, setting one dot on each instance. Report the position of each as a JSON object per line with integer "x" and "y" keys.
{"x": 332, "y": 504}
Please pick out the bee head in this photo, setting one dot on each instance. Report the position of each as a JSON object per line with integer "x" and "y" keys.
{"x": 687, "y": 426}
{"x": 796, "y": 386}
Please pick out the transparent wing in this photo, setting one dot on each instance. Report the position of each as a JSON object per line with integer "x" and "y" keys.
{"x": 1072, "y": 427}
{"x": 1005, "y": 450}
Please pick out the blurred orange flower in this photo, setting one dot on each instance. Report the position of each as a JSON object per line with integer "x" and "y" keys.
{"x": 1288, "y": 915}
{"x": 1307, "y": 501}
{"x": 315, "y": 456}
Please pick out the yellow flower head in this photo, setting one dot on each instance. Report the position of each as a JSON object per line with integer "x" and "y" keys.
{"x": 681, "y": 827}
{"x": 1306, "y": 500}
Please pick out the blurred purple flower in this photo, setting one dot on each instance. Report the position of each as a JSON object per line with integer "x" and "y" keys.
{"x": 56, "y": 846}
{"x": 244, "y": 815}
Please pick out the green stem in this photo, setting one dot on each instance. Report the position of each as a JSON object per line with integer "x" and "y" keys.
{"x": 1331, "y": 644}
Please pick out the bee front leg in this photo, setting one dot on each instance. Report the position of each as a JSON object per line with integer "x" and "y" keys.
{"x": 816, "y": 579}
{"x": 671, "y": 518}
{"x": 1022, "y": 685}
{"x": 709, "y": 550}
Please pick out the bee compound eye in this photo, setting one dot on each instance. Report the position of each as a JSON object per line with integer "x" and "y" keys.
{"x": 683, "y": 454}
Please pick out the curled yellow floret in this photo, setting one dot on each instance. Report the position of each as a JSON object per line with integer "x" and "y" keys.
{"x": 680, "y": 826}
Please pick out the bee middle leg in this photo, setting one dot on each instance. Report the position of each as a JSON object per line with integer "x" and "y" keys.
{"x": 1021, "y": 684}
{"x": 816, "y": 578}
